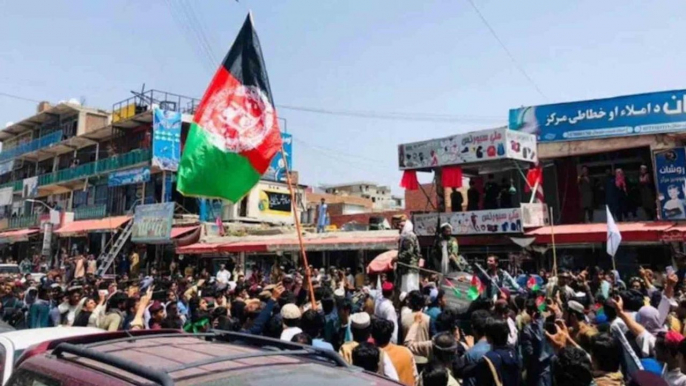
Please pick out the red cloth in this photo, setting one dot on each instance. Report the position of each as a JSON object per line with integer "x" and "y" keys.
{"x": 452, "y": 177}
{"x": 409, "y": 181}
{"x": 532, "y": 176}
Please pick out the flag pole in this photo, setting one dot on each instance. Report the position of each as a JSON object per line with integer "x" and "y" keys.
{"x": 294, "y": 205}
{"x": 552, "y": 237}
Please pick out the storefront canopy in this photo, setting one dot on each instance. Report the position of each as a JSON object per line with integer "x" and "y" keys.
{"x": 340, "y": 241}
{"x": 650, "y": 232}
{"x": 10, "y": 237}
{"x": 85, "y": 226}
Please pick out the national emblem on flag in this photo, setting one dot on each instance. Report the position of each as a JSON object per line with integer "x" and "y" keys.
{"x": 235, "y": 133}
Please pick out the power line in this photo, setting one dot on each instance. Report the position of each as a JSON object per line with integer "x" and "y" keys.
{"x": 17, "y": 97}
{"x": 190, "y": 37}
{"x": 395, "y": 116}
{"x": 507, "y": 51}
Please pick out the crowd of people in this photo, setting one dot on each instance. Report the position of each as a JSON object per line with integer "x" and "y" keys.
{"x": 570, "y": 328}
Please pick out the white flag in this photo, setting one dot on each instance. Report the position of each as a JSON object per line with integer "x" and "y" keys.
{"x": 613, "y": 235}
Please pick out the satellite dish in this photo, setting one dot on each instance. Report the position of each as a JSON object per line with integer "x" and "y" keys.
{"x": 74, "y": 101}
{"x": 8, "y": 124}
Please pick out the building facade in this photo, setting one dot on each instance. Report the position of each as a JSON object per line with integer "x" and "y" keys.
{"x": 381, "y": 196}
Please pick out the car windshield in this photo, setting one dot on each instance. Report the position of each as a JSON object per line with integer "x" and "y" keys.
{"x": 302, "y": 375}
{"x": 9, "y": 270}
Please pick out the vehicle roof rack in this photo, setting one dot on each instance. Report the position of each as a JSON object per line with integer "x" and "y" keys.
{"x": 209, "y": 361}
{"x": 142, "y": 371}
{"x": 145, "y": 337}
{"x": 283, "y": 345}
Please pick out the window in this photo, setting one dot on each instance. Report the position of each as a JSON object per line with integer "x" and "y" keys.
{"x": 29, "y": 378}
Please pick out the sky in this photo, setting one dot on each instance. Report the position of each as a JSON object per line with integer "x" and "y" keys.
{"x": 385, "y": 71}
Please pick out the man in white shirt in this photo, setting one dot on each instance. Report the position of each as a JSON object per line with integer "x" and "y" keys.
{"x": 384, "y": 308}
{"x": 290, "y": 316}
{"x": 223, "y": 276}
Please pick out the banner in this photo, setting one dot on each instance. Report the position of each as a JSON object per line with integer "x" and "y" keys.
{"x": 478, "y": 222}
{"x": 277, "y": 171}
{"x": 47, "y": 240}
{"x": 275, "y": 203}
{"x": 6, "y": 196}
{"x": 651, "y": 113}
{"x": 670, "y": 169}
{"x": 129, "y": 176}
{"x": 474, "y": 147}
{"x": 30, "y": 188}
{"x": 166, "y": 140}
{"x": 6, "y": 167}
{"x": 152, "y": 223}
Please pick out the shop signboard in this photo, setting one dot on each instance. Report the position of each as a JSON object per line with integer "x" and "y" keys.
{"x": 478, "y": 222}
{"x": 47, "y": 239}
{"x": 152, "y": 223}
{"x": 129, "y": 176}
{"x": 474, "y": 147}
{"x": 651, "y": 113}
{"x": 670, "y": 170}
{"x": 30, "y": 187}
{"x": 6, "y": 167}
{"x": 535, "y": 215}
{"x": 166, "y": 139}
{"x": 275, "y": 202}
{"x": 6, "y": 195}
{"x": 277, "y": 170}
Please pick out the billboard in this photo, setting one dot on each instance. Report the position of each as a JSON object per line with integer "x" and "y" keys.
{"x": 478, "y": 222}
{"x": 152, "y": 223}
{"x": 275, "y": 202}
{"x": 277, "y": 171}
{"x": 474, "y": 147}
{"x": 670, "y": 170}
{"x": 166, "y": 139}
{"x": 652, "y": 113}
{"x": 129, "y": 176}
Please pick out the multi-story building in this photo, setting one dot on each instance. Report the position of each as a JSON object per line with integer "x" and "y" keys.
{"x": 94, "y": 167}
{"x": 381, "y": 196}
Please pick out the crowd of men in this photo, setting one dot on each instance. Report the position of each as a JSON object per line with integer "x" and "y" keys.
{"x": 580, "y": 328}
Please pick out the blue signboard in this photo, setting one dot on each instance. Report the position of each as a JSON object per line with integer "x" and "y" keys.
{"x": 129, "y": 176}
{"x": 670, "y": 168}
{"x": 166, "y": 139}
{"x": 659, "y": 112}
{"x": 277, "y": 171}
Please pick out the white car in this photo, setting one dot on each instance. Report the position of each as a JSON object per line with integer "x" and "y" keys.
{"x": 13, "y": 343}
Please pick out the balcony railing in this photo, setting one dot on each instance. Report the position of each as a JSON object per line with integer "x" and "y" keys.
{"x": 139, "y": 103}
{"x": 102, "y": 166}
{"x": 30, "y": 221}
{"x": 90, "y": 212}
{"x": 38, "y": 143}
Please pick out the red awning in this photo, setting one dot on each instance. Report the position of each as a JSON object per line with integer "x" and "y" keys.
{"x": 18, "y": 235}
{"x": 649, "y": 231}
{"x": 198, "y": 249}
{"x": 180, "y": 231}
{"x": 85, "y": 226}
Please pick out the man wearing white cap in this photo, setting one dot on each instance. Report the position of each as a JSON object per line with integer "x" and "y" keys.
{"x": 290, "y": 316}
{"x": 361, "y": 328}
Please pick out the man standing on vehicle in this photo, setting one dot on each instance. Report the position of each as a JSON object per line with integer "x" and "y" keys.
{"x": 409, "y": 253}
{"x": 497, "y": 278}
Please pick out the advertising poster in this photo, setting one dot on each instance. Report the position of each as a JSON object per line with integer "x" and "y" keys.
{"x": 6, "y": 196}
{"x": 129, "y": 176}
{"x": 152, "y": 223}
{"x": 478, "y": 222}
{"x": 166, "y": 139}
{"x": 651, "y": 113}
{"x": 30, "y": 188}
{"x": 670, "y": 168}
{"x": 275, "y": 203}
{"x": 277, "y": 171}
{"x": 6, "y": 167}
{"x": 480, "y": 146}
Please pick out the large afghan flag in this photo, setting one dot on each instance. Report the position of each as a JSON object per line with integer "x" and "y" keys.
{"x": 234, "y": 134}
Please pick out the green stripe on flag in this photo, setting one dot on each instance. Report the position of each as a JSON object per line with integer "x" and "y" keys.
{"x": 207, "y": 171}
{"x": 473, "y": 293}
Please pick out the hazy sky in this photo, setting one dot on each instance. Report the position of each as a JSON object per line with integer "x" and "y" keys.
{"x": 428, "y": 59}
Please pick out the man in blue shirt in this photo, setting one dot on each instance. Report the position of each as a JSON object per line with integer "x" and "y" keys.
{"x": 312, "y": 323}
{"x": 322, "y": 216}
{"x": 466, "y": 366}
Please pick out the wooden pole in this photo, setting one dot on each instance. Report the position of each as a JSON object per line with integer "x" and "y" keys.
{"x": 552, "y": 237}
{"x": 298, "y": 229}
